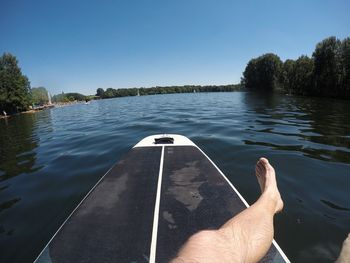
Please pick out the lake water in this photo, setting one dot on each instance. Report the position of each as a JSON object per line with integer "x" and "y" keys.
{"x": 51, "y": 159}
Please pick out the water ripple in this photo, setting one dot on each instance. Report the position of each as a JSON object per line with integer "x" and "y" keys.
{"x": 51, "y": 159}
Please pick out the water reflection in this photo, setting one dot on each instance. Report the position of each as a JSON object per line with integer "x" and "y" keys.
{"x": 315, "y": 126}
{"x": 18, "y": 141}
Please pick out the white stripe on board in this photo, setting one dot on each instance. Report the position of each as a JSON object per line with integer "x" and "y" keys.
{"x": 152, "y": 257}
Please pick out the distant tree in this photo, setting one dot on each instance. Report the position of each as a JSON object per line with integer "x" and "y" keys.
{"x": 302, "y": 77}
{"x": 287, "y": 75}
{"x": 68, "y": 97}
{"x": 327, "y": 73}
{"x": 14, "y": 86}
{"x": 40, "y": 96}
{"x": 345, "y": 68}
{"x": 109, "y": 93}
{"x": 297, "y": 76}
{"x": 327, "y": 67}
{"x": 250, "y": 75}
{"x": 263, "y": 73}
{"x": 112, "y": 93}
{"x": 100, "y": 92}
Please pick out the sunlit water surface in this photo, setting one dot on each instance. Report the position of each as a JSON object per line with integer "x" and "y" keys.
{"x": 51, "y": 159}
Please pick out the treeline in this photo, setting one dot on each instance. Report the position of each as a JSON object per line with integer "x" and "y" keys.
{"x": 113, "y": 93}
{"x": 326, "y": 73}
{"x": 68, "y": 97}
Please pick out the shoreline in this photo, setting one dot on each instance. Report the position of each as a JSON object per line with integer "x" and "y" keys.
{"x": 64, "y": 104}
{"x": 45, "y": 107}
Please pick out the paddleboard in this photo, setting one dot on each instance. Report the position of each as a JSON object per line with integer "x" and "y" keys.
{"x": 147, "y": 205}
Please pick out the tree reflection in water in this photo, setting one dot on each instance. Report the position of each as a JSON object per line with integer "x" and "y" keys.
{"x": 320, "y": 126}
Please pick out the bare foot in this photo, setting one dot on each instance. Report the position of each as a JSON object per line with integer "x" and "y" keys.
{"x": 266, "y": 176}
{"x": 345, "y": 251}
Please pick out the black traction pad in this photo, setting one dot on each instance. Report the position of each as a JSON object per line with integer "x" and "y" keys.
{"x": 114, "y": 223}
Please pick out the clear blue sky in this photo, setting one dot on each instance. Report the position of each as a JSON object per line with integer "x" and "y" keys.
{"x": 83, "y": 45}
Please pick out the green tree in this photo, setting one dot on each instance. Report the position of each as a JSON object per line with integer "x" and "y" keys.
{"x": 14, "y": 86}
{"x": 263, "y": 73}
{"x": 287, "y": 76}
{"x": 327, "y": 67}
{"x": 40, "y": 96}
{"x": 345, "y": 68}
{"x": 100, "y": 92}
{"x": 327, "y": 73}
{"x": 68, "y": 97}
{"x": 109, "y": 93}
{"x": 302, "y": 77}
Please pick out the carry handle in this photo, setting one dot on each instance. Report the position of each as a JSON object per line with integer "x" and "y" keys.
{"x": 164, "y": 140}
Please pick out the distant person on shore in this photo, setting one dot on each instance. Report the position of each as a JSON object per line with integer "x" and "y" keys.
{"x": 244, "y": 238}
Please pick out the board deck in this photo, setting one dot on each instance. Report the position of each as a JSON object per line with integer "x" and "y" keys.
{"x": 147, "y": 205}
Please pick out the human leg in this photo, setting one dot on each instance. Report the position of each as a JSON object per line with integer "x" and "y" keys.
{"x": 247, "y": 236}
{"x": 344, "y": 256}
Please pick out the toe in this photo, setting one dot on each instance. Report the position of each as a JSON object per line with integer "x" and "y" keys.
{"x": 258, "y": 170}
{"x": 264, "y": 160}
{"x": 261, "y": 167}
{"x": 267, "y": 166}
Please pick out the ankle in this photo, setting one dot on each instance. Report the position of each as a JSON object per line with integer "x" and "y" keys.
{"x": 271, "y": 201}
